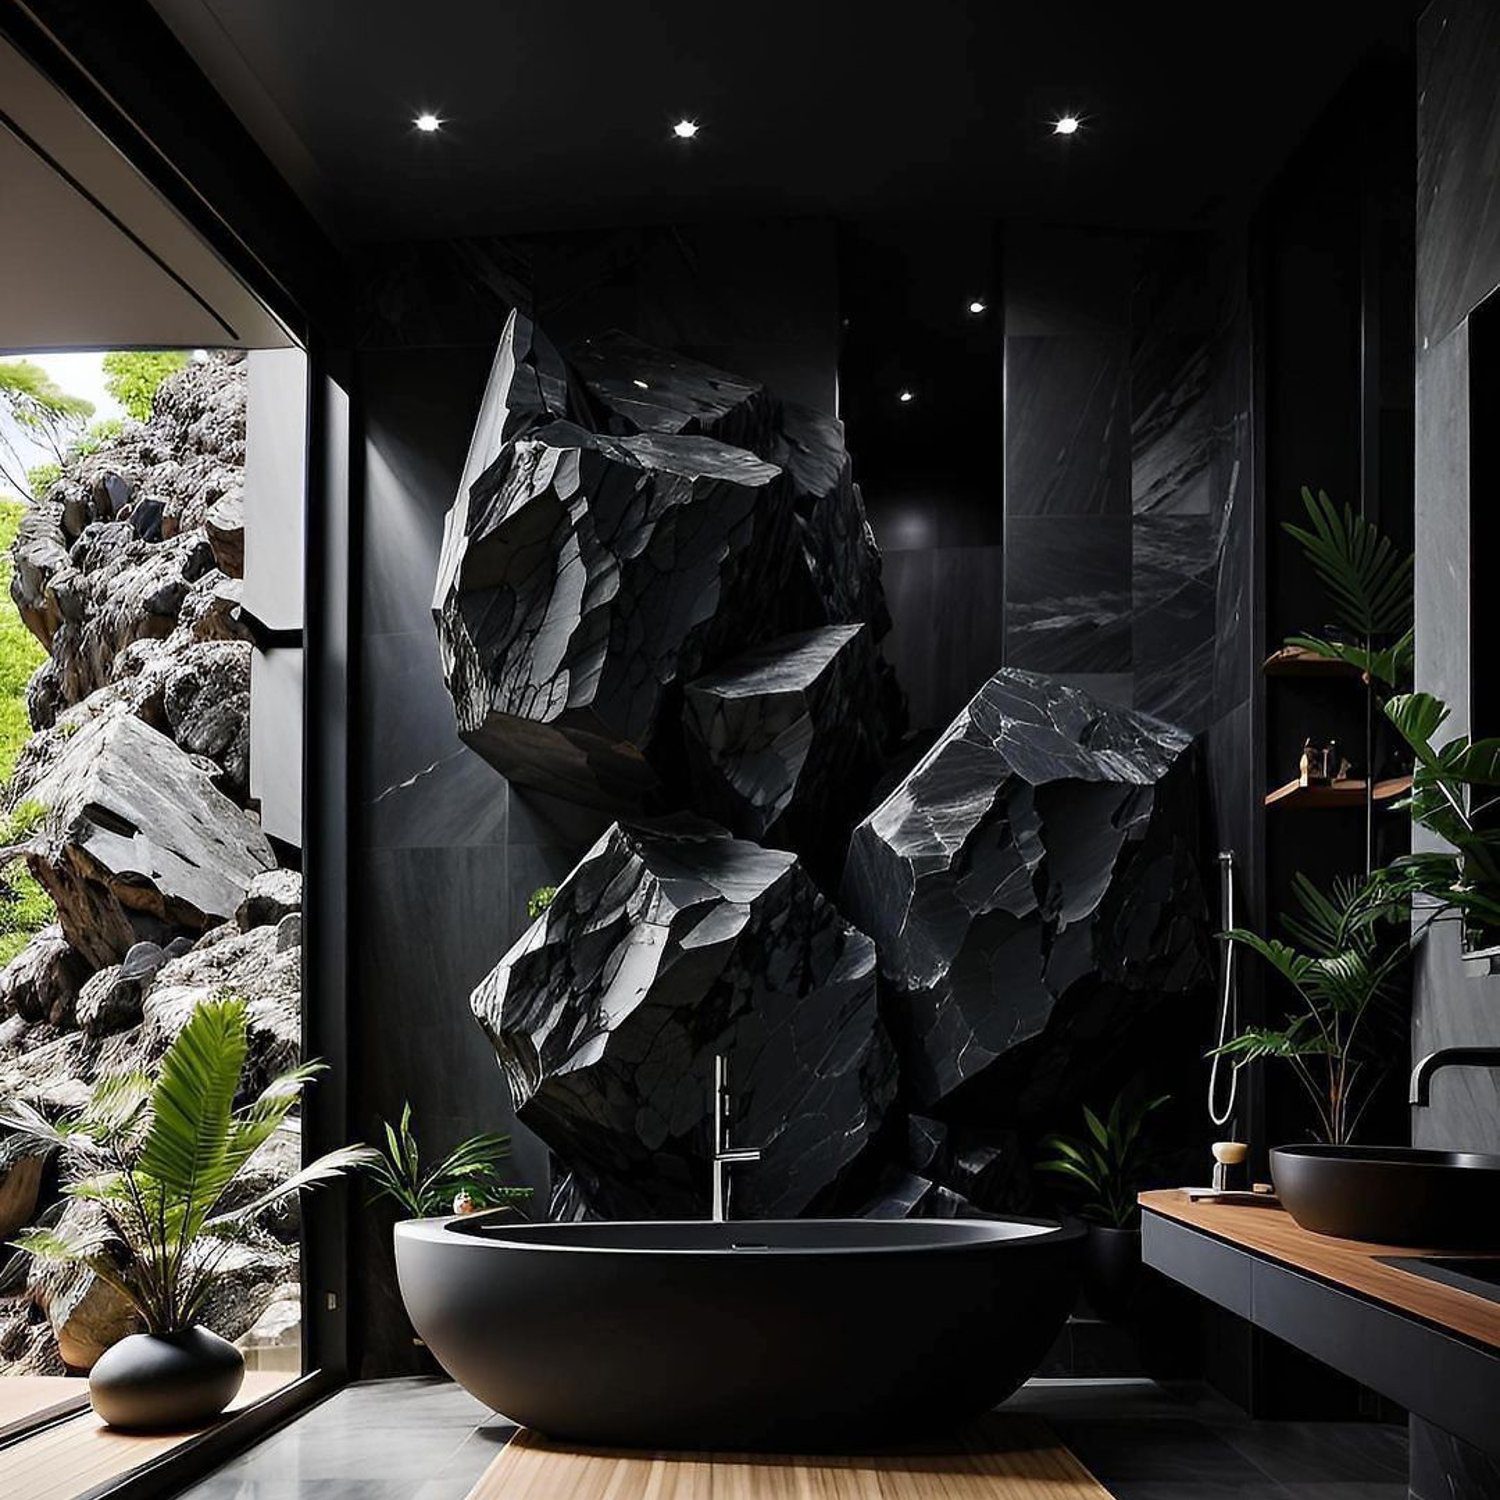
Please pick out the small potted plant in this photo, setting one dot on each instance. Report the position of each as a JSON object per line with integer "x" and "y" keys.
{"x": 1108, "y": 1164}
{"x": 466, "y": 1180}
{"x": 157, "y": 1153}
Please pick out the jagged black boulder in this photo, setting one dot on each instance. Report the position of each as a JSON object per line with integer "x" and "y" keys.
{"x": 1032, "y": 890}
{"x": 668, "y": 944}
{"x": 624, "y": 525}
{"x": 784, "y": 742}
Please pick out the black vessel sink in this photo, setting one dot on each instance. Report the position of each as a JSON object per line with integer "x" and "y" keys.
{"x": 1392, "y": 1195}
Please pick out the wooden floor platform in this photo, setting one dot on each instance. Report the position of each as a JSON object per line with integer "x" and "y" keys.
{"x": 77, "y": 1455}
{"x": 1003, "y": 1458}
{"x": 28, "y": 1400}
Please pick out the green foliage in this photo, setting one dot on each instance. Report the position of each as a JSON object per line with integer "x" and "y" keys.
{"x": 35, "y": 408}
{"x": 539, "y": 900}
{"x": 132, "y": 376}
{"x": 25, "y": 908}
{"x": 1453, "y": 795}
{"x": 95, "y": 436}
{"x": 472, "y": 1167}
{"x": 22, "y": 821}
{"x": 39, "y": 479}
{"x": 158, "y": 1154}
{"x": 1108, "y": 1163}
{"x": 1369, "y": 586}
{"x": 1348, "y": 949}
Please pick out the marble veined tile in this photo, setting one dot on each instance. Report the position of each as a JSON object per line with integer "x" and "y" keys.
{"x": 1068, "y": 594}
{"x": 1067, "y": 425}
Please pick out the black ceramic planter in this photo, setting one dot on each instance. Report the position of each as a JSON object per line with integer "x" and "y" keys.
{"x": 1111, "y": 1269}
{"x": 158, "y": 1382}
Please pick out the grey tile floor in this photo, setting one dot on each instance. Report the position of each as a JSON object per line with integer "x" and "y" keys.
{"x": 428, "y": 1440}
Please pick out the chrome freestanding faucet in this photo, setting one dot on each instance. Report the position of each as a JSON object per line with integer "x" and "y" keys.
{"x": 724, "y": 1156}
{"x": 1447, "y": 1057}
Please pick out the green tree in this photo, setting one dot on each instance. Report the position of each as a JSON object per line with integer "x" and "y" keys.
{"x": 35, "y": 412}
{"x": 133, "y": 376}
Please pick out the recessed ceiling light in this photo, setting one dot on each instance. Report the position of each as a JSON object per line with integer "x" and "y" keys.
{"x": 977, "y": 306}
{"x": 427, "y": 122}
{"x": 904, "y": 396}
{"x": 1066, "y": 125}
{"x": 685, "y": 130}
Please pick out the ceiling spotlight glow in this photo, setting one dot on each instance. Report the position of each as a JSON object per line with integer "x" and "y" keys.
{"x": 685, "y": 130}
{"x": 905, "y": 396}
{"x": 427, "y": 122}
{"x": 977, "y": 306}
{"x": 642, "y": 384}
{"x": 1066, "y": 125}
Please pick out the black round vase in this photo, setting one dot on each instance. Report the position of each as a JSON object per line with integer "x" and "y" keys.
{"x": 1111, "y": 1269}
{"x": 156, "y": 1382}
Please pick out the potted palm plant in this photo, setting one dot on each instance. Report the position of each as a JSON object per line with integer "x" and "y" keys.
{"x": 157, "y": 1153}
{"x": 466, "y": 1179}
{"x": 1344, "y": 963}
{"x": 1108, "y": 1163}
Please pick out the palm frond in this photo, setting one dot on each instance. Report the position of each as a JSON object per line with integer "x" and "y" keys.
{"x": 1369, "y": 581}
{"x": 185, "y": 1148}
{"x": 324, "y": 1169}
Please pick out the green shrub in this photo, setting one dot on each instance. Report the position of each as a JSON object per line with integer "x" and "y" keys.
{"x": 133, "y": 376}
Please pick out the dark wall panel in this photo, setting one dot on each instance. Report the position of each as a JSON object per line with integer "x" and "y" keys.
{"x": 1458, "y": 265}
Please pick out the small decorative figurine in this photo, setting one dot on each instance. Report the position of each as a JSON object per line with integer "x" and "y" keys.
{"x": 1315, "y": 767}
{"x": 463, "y": 1203}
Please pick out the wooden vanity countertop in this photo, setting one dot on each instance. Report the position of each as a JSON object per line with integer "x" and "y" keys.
{"x": 1350, "y": 1264}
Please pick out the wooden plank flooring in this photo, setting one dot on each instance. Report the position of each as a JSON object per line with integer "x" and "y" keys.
{"x": 1273, "y": 1232}
{"x": 76, "y": 1455}
{"x": 27, "y": 1399}
{"x": 1004, "y": 1458}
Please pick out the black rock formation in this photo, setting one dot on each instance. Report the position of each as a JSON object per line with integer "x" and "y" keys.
{"x": 784, "y": 742}
{"x": 1032, "y": 890}
{"x": 667, "y": 944}
{"x": 620, "y": 529}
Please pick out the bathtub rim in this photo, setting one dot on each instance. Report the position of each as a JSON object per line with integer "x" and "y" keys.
{"x": 464, "y": 1229}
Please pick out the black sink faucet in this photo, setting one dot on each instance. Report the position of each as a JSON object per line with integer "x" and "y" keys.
{"x": 1447, "y": 1057}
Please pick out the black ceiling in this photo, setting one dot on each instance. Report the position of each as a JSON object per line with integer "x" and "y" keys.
{"x": 559, "y": 112}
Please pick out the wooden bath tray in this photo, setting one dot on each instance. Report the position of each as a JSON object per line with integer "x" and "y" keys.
{"x": 1002, "y": 1458}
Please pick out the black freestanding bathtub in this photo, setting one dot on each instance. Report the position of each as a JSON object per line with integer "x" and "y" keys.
{"x": 793, "y": 1335}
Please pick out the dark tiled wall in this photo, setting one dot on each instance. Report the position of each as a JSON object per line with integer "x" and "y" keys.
{"x": 1128, "y": 469}
{"x": 1458, "y": 265}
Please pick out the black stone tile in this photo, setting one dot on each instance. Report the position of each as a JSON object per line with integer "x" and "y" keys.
{"x": 438, "y": 292}
{"x": 948, "y": 627}
{"x": 1174, "y": 614}
{"x": 422, "y": 787}
{"x": 1067, "y": 426}
{"x": 1068, "y": 594}
{"x": 1162, "y": 1450}
{"x": 1458, "y": 209}
{"x": 1316, "y": 1453}
{"x": 419, "y": 407}
{"x": 1444, "y": 1467}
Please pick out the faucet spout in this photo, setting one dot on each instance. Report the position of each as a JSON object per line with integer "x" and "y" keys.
{"x": 725, "y": 1155}
{"x": 1420, "y": 1094}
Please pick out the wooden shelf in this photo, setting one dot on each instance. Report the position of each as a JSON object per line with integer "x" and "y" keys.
{"x": 1346, "y": 793}
{"x": 1297, "y": 661}
{"x": 1349, "y": 1264}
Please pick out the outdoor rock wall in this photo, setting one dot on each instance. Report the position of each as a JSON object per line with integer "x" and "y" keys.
{"x": 129, "y": 806}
